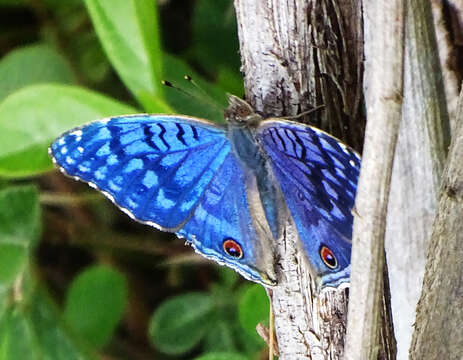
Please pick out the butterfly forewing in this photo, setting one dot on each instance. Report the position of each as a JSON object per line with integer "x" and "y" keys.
{"x": 318, "y": 176}
{"x": 154, "y": 167}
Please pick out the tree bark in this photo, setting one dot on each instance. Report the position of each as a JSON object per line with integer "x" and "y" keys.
{"x": 438, "y": 328}
{"x": 383, "y": 80}
{"x": 297, "y": 55}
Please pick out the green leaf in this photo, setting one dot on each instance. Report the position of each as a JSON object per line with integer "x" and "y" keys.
{"x": 32, "y": 65}
{"x": 91, "y": 59}
{"x": 181, "y": 322}
{"x": 31, "y": 118}
{"x": 16, "y": 337}
{"x": 30, "y": 161}
{"x": 215, "y": 35}
{"x": 13, "y": 258}
{"x": 53, "y": 339}
{"x": 222, "y": 356}
{"x": 230, "y": 81}
{"x": 253, "y": 309}
{"x": 32, "y": 330}
{"x": 89, "y": 311}
{"x": 19, "y": 215}
{"x": 228, "y": 277}
{"x": 19, "y": 230}
{"x": 220, "y": 337}
{"x": 129, "y": 33}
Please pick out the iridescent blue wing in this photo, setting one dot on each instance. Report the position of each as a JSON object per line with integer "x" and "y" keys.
{"x": 155, "y": 168}
{"x": 318, "y": 176}
{"x": 168, "y": 172}
{"x": 223, "y": 217}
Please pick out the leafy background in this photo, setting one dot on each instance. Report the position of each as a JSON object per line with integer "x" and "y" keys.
{"x": 78, "y": 279}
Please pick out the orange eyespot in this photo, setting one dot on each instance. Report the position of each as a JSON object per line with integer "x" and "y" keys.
{"x": 232, "y": 248}
{"x": 328, "y": 257}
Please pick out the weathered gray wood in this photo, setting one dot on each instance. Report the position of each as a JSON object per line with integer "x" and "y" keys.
{"x": 438, "y": 328}
{"x": 418, "y": 164}
{"x": 297, "y": 55}
{"x": 384, "y": 42}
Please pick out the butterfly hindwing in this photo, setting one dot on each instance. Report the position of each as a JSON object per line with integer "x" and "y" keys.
{"x": 318, "y": 177}
{"x": 155, "y": 167}
{"x": 222, "y": 215}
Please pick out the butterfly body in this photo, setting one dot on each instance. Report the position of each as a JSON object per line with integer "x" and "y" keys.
{"x": 226, "y": 190}
{"x": 255, "y": 162}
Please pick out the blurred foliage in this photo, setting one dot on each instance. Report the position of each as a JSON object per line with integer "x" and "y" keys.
{"x": 78, "y": 279}
{"x": 88, "y": 308}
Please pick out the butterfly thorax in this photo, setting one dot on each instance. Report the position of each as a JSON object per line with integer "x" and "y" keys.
{"x": 241, "y": 124}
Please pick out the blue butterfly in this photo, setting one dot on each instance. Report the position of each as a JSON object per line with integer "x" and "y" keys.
{"x": 226, "y": 190}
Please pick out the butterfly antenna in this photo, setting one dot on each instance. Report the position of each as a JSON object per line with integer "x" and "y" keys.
{"x": 208, "y": 98}
{"x": 169, "y": 84}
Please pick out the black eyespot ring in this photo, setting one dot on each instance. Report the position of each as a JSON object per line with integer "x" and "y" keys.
{"x": 328, "y": 257}
{"x": 232, "y": 248}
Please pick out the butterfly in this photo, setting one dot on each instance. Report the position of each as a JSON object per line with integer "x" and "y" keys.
{"x": 227, "y": 190}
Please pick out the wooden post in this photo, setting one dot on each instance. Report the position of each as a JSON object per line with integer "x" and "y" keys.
{"x": 297, "y": 55}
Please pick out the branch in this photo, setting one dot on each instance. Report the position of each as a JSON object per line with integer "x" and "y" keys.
{"x": 418, "y": 164}
{"x": 384, "y": 41}
{"x": 438, "y": 330}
